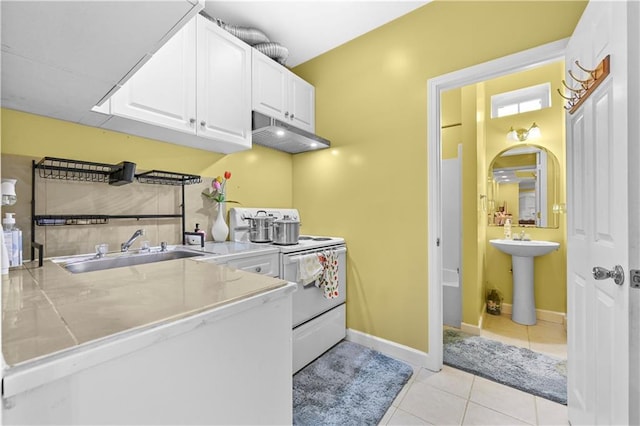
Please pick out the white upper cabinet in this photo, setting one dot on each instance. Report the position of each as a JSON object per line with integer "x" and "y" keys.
{"x": 279, "y": 93}
{"x": 195, "y": 91}
{"x": 224, "y": 85}
{"x": 163, "y": 91}
{"x": 302, "y": 103}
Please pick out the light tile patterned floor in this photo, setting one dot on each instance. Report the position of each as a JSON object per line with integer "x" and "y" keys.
{"x": 454, "y": 397}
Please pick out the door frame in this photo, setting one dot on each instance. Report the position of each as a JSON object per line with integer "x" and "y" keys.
{"x": 521, "y": 61}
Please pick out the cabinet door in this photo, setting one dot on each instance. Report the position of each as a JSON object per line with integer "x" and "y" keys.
{"x": 163, "y": 91}
{"x": 269, "y": 86}
{"x": 301, "y": 103}
{"x": 224, "y": 85}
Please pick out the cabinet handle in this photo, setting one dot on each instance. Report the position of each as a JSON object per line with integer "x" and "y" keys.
{"x": 203, "y": 123}
{"x": 286, "y": 114}
{"x": 192, "y": 121}
{"x": 259, "y": 269}
{"x": 292, "y": 116}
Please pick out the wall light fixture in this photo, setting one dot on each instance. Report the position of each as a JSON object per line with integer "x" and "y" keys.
{"x": 521, "y": 135}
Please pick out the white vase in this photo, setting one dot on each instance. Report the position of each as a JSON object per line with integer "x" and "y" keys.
{"x": 220, "y": 230}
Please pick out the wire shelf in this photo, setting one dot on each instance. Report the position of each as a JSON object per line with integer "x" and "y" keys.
{"x": 167, "y": 178}
{"x": 58, "y": 220}
{"x": 75, "y": 170}
{"x": 86, "y": 171}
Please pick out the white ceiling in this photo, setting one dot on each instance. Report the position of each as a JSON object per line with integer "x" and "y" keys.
{"x": 59, "y": 58}
{"x": 308, "y": 28}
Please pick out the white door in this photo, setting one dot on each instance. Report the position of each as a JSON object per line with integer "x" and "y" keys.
{"x": 224, "y": 85}
{"x": 163, "y": 91}
{"x": 598, "y": 223}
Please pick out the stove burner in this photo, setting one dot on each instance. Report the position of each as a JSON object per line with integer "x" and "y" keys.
{"x": 305, "y": 238}
{"x": 321, "y": 239}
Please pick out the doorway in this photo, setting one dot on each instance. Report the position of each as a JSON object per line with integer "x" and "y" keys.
{"x": 542, "y": 55}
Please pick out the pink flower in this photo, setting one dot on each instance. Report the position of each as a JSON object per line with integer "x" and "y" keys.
{"x": 217, "y": 191}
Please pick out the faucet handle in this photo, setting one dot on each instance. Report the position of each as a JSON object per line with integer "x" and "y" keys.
{"x": 102, "y": 249}
{"x": 163, "y": 246}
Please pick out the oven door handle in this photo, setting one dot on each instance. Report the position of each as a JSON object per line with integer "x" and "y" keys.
{"x": 293, "y": 259}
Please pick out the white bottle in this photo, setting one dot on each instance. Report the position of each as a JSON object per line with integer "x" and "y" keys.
{"x": 5, "y": 256}
{"x": 12, "y": 240}
{"x": 507, "y": 229}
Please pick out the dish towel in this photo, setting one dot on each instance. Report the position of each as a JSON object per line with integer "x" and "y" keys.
{"x": 309, "y": 268}
{"x": 328, "y": 281}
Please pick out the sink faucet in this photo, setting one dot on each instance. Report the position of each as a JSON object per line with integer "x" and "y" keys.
{"x": 125, "y": 246}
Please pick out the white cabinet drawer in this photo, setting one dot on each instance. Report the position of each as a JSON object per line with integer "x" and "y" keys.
{"x": 268, "y": 264}
{"x": 315, "y": 337}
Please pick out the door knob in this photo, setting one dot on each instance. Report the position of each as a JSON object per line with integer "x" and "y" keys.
{"x": 617, "y": 273}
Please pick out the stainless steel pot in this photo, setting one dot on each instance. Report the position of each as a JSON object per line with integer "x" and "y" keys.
{"x": 286, "y": 231}
{"x": 260, "y": 227}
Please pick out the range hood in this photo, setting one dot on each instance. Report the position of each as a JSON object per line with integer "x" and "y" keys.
{"x": 282, "y": 136}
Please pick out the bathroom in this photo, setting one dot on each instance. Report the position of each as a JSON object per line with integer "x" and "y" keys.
{"x": 471, "y": 142}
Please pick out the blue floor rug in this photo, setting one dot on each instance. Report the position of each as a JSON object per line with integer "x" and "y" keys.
{"x": 519, "y": 368}
{"x": 348, "y": 385}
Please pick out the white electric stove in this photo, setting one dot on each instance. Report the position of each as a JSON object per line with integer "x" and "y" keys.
{"x": 318, "y": 322}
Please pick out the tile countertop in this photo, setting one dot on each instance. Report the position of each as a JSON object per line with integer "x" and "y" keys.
{"x": 47, "y": 310}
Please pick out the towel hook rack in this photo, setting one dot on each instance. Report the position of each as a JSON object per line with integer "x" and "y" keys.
{"x": 591, "y": 72}
{"x": 564, "y": 83}
{"x": 596, "y": 76}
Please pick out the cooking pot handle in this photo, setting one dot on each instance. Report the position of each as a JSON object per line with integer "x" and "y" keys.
{"x": 261, "y": 211}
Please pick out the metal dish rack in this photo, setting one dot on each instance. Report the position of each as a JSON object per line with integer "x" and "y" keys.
{"x": 85, "y": 171}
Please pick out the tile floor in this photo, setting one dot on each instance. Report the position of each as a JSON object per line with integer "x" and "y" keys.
{"x": 454, "y": 397}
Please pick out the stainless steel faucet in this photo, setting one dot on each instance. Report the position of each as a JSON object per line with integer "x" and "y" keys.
{"x": 125, "y": 246}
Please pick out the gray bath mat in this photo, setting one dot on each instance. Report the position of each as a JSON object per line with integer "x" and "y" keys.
{"x": 348, "y": 385}
{"x": 520, "y": 368}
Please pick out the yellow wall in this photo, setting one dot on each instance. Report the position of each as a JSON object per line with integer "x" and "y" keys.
{"x": 371, "y": 187}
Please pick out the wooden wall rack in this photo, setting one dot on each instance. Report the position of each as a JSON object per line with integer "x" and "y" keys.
{"x": 586, "y": 87}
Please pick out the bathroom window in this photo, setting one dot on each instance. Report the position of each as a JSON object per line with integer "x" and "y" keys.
{"x": 522, "y": 100}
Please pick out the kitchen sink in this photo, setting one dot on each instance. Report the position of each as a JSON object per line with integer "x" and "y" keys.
{"x": 119, "y": 260}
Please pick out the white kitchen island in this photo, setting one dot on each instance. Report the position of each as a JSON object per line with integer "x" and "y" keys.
{"x": 176, "y": 342}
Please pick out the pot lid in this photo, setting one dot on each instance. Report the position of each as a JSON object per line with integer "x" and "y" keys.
{"x": 287, "y": 219}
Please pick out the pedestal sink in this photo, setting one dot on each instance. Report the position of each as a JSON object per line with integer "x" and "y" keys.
{"x": 522, "y": 254}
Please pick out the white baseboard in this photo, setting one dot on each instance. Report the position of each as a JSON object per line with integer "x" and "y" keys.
{"x": 389, "y": 348}
{"x": 470, "y": 329}
{"x": 541, "y": 314}
{"x": 473, "y": 329}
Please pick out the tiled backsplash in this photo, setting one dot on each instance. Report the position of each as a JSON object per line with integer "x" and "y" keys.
{"x": 55, "y": 197}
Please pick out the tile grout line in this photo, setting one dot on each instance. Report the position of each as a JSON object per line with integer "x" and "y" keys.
{"x": 466, "y": 405}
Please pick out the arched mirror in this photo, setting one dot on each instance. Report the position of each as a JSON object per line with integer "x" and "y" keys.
{"x": 524, "y": 186}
